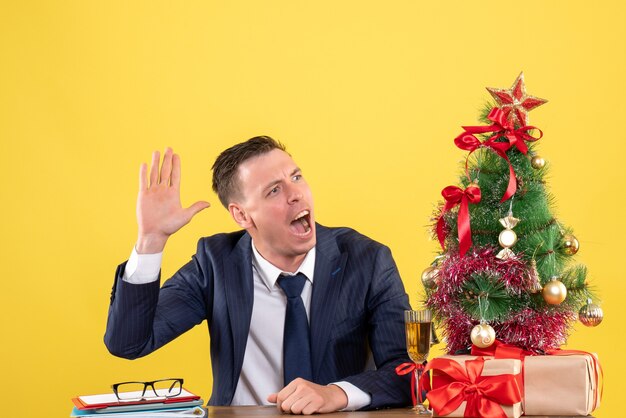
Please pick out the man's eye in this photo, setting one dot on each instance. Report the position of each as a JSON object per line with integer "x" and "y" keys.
{"x": 274, "y": 190}
{"x": 297, "y": 177}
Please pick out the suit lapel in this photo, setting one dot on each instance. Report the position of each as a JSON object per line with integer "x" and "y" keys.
{"x": 329, "y": 269}
{"x": 239, "y": 298}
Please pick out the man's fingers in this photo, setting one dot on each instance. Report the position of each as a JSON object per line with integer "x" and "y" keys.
{"x": 298, "y": 405}
{"x": 154, "y": 169}
{"x": 311, "y": 408}
{"x": 192, "y": 210}
{"x": 166, "y": 167}
{"x": 175, "y": 180}
{"x": 287, "y": 396}
{"x": 286, "y": 404}
{"x": 282, "y": 395}
{"x": 303, "y": 397}
{"x": 272, "y": 398}
{"x": 143, "y": 178}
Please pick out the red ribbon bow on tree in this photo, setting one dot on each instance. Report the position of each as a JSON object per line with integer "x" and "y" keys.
{"x": 502, "y": 129}
{"x": 483, "y": 394}
{"x": 454, "y": 196}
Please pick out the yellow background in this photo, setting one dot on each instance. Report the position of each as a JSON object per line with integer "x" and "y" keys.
{"x": 367, "y": 95}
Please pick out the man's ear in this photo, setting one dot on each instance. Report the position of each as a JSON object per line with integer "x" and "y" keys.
{"x": 240, "y": 215}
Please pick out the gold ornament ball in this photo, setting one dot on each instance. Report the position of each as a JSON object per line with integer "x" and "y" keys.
{"x": 483, "y": 335}
{"x": 591, "y": 315}
{"x": 554, "y": 292}
{"x": 507, "y": 238}
{"x": 537, "y": 162}
{"x": 430, "y": 276}
{"x": 569, "y": 244}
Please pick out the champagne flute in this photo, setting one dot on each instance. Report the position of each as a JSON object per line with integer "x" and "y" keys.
{"x": 418, "y": 327}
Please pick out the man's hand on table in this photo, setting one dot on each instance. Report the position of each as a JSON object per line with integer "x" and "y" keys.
{"x": 304, "y": 397}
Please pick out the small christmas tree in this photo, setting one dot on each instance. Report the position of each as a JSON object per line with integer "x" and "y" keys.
{"x": 505, "y": 270}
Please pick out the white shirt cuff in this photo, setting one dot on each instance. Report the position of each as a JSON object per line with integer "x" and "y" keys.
{"x": 357, "y": 399}
{"x": 142, "y": 268}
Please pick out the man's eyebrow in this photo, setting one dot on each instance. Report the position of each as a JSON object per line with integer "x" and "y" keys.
{"x": 273, "y": 182}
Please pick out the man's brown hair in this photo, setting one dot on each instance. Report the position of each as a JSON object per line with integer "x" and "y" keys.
{"x": 225, "y": 168}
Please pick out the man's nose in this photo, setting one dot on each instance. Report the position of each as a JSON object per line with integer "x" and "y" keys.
{"x": 294, "y": 194}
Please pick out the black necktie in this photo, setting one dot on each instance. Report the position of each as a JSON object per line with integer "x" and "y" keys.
{"x": 296, "y": 346}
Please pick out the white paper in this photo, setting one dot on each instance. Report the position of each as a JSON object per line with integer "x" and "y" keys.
{"x": 109, "y": 398}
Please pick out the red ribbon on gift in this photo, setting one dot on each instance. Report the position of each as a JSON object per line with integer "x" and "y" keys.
{"x": 484, "y": 394}
{"x": 406, "y": 368}
{"x": 501, "y": 350}
{"x": 455, "y": 196}
{"x": 501, "y": 128}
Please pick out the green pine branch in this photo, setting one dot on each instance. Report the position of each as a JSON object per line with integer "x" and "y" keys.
{"x": 486, "y": 298}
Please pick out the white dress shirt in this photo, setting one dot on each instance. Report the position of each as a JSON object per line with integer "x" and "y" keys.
{"x": 262, "y": 370}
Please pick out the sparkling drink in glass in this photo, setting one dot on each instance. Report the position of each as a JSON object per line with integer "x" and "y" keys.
{"x": 418, "y": 331}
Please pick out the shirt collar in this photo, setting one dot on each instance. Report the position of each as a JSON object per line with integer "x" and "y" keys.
{"x": 269, "y": 273}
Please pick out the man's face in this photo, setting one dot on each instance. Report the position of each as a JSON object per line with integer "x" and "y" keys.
{"x": 276, "y": 206}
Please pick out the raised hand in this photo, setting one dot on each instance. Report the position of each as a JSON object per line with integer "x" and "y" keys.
{"x": 159, "y": 212}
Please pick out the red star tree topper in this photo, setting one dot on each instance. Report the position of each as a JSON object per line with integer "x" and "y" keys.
{"x": 514, "y": 102}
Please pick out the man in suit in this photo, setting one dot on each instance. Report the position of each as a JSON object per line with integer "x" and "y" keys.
{"x": 308, "y": 351}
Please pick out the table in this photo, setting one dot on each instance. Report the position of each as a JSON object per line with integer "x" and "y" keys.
{"x": 271, "y": 411}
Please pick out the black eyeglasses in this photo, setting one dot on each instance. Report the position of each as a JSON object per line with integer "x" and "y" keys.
{"x": 163, "y": 388}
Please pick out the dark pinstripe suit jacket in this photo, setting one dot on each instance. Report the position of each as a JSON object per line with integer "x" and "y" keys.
{"x": 357, "y": 306}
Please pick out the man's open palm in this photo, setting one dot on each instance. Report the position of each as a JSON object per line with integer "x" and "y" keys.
{"x": 159, "y": 211}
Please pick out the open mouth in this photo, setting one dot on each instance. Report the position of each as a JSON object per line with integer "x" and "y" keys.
{"x": 301, "y": 224}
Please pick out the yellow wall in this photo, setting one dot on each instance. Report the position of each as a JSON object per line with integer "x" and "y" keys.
{"x": 368, "y": 96}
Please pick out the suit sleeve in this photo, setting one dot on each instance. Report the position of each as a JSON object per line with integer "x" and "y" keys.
{"x": 144, "y": 317}
{"x": 386, "y": 305}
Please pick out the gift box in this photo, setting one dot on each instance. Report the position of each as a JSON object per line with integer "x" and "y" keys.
{"x": 475, "y": 386}
{"x": 561, "y": 384}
